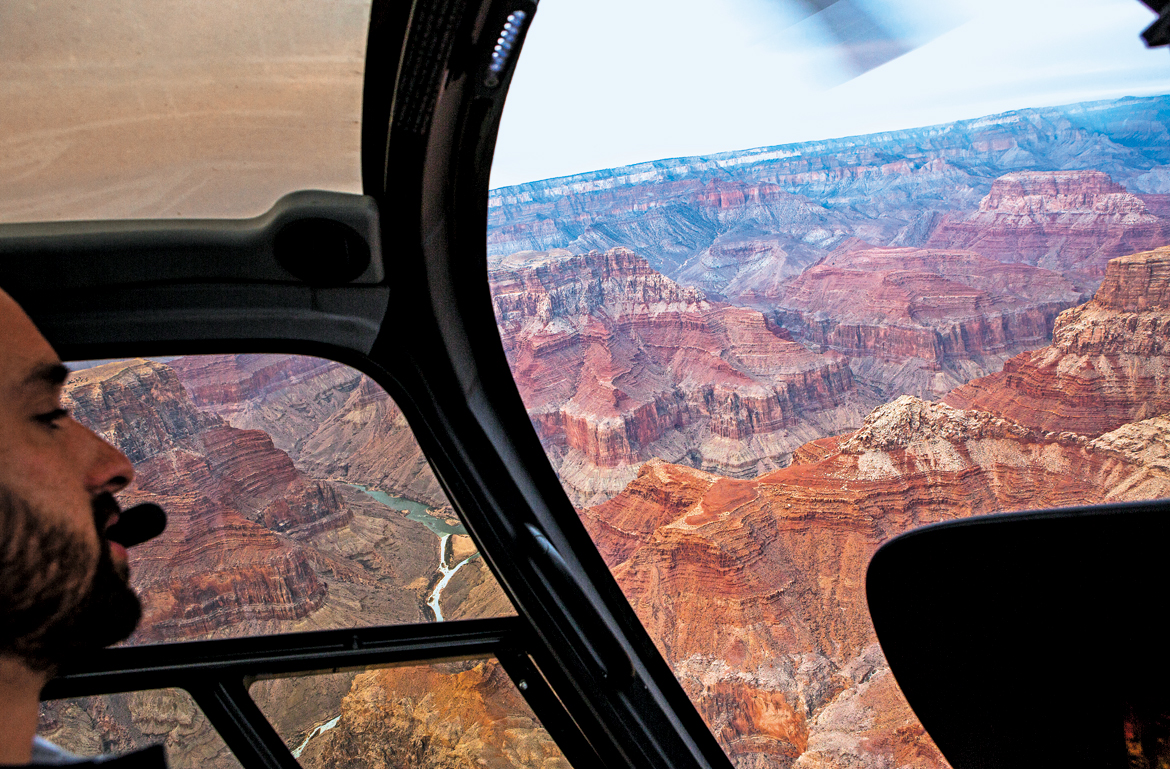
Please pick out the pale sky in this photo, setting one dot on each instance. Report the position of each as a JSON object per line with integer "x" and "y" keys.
{"x": 604, "y": 83}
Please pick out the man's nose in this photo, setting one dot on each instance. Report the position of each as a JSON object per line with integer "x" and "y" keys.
{"x": 109, "y": 470}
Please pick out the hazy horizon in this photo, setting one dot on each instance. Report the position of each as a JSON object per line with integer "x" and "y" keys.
{"x": 614, "y": 84}
{"x": 764, "y": 147}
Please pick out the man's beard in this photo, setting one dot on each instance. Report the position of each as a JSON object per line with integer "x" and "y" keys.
{"x": 51, "y": 607}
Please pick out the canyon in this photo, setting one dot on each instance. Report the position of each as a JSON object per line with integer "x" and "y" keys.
{"x": 921, "y": 321}
{"x": 754, "y": 589}
{"x": 738, "y": 224}
{"x": 1107, "y": 365}
{"x": 461, "y": 715}
{"x": 252, "y": 545}
{"x": 617, "y": 363}
{"x": 1060, "y": 189}
{"x": 331, "y": 419}
{"x": 751, "y": 587}
{"x": 257, "y": 543}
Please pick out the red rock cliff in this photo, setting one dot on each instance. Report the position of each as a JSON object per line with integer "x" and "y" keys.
{"x": 1108, "y": 364}
{"x": 754, "y": 590}
{"x": 332, "y": 420}
{"x": 219, "y": 565}
{"x": 922, "y": 321}
{"x": 617, "y": 363}
{"x": 1071, "y": 222}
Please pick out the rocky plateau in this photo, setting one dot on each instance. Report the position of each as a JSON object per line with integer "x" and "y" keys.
{"x": 1070, "y": 222}
{"x": 739, "y": 224}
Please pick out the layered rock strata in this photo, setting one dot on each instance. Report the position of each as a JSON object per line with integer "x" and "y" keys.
{"x": 213, "y": 568}
{"x": 754, "y": 590}
{"x": 283, "y": 395}
{"x": 617, "y": 363}
{"x": 738, "y": 224}
{"x": 1071, "y": 222}
{"x": 252, "y": 545}
{"x": 333, "y": 421}
{"x": 446, "y": 716}
{"x": 123, "y": 722}
{"x": 1108, "y": 364}
{"x": 922, "y": 321}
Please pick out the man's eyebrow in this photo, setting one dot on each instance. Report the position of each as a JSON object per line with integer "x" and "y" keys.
{"x": 48, "y": 373}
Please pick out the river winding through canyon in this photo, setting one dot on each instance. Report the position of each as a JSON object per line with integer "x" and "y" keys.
{"x": 420, "y": 513}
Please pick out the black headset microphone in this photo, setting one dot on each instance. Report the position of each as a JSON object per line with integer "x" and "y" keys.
{"x": 137, "y": 524}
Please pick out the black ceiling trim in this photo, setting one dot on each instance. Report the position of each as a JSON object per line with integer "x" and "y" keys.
{"x": 384, "y": 48}
{"x": 567, "y": 733}
{"x": 433, "y": 26}
{"x": 91, "y": 255}
{"x": 169, "y": 330}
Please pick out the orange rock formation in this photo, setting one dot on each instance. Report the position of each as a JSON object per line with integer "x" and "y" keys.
{"x": 1109, "y": 362}
{"x": 447, "y": 716}
{"x": 754, "y": 589}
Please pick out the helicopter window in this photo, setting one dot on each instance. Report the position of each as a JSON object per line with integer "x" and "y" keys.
{"x": 89, "y": 726}
{"x": 760, "y": 336}
{"x": 424, "y": 715}
{"x": 297, "y": 499}
{"x": 129, "y": 110}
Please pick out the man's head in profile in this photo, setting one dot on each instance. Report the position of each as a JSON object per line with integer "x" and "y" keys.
{"x": 63, "y": 585}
